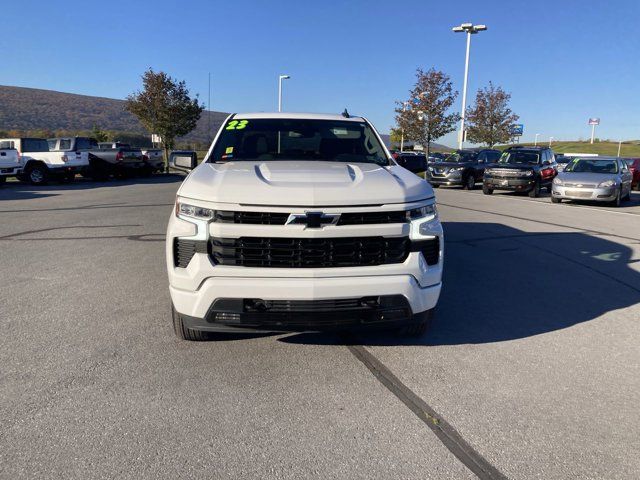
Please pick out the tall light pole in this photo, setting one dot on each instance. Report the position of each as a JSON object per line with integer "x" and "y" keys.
{"x": 470, "y": 29}
{"x": 550, "y": 140}
{"x": 535, "y": 142}
{"x": 404, "y": 109}
{"x": 280, "y": 78}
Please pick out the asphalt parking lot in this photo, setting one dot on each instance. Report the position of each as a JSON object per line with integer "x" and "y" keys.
{"x": 531, "y": 370}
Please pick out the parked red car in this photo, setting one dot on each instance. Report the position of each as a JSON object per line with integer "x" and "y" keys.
{"x": 634, "y": 167}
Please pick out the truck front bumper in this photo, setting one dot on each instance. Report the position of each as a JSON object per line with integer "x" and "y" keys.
{"x": 293, "y": 304}
{"x": 514, "y": 185}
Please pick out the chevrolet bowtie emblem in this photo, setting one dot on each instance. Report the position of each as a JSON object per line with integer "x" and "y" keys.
{"x": 313, "y": 219}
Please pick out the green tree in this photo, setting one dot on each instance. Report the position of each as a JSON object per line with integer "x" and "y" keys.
{"x": 165, "y": 108}
{"x": 424, "y": 118}
{"x": 490, "y": 120}
{"x": 99, "y": 134}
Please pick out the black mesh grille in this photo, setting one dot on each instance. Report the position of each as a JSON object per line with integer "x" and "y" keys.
{"x": 252, "y": 218}
{"x": 279, "y": 218}
{"x": 183, "y": 250}
{"x": 365, "y": 218}
{"x": 309, "y": 252}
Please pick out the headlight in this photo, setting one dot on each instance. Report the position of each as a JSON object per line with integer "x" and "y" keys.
{"x": 431, "y": 169}
{"x": 606, "y": 184}
{"x": 457, "y": 169}
{"x": 423, "y": 212}
{"x": 557, "y": 181}
{"x": 528, "y": 173}
{"x": 193, "y": 211}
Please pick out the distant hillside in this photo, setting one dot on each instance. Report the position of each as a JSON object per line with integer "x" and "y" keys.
{"x": 628, "y": 149}
{"x": 34, "y": 109}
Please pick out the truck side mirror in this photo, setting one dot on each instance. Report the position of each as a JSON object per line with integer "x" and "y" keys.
{"x": 185, "y": 160}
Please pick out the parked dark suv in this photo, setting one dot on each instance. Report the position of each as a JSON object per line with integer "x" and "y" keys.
{"x": 414, "y": 162}
{"x": 521, "y": 169}
{"x": 462, "y": 167}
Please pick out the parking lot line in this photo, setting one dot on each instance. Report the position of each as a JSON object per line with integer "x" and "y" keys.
{"x": 542, "y": 202}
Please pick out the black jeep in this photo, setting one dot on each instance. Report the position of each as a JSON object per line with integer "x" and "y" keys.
{"x": 521, "y": 169}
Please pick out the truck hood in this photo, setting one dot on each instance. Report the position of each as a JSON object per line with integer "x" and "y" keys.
{"x": 303, "y": 183}
{"x": 511, "y": 166}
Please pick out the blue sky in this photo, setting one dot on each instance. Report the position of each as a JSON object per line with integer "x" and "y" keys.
{"x": 563, "y": 61}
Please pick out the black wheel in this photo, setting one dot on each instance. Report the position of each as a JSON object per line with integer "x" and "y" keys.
{"x": 618, "y": 201}
{"x": 38, "y": 174}
{"x": 627, "y": 197}
{"x": 183, "y": 332}
{"x": 535, "y": 191}
{"x": 470, "y": 183}
{"x": 555, "y": 200}
{"x": 420, "y": 324}
{"x": 486, "y": 190}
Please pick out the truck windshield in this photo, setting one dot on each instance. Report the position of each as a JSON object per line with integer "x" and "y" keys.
{"x": 530, "y": 158}
{"x": 298, "y": 139}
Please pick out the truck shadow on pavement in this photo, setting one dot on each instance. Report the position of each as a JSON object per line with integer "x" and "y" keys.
{"x": 24, "y": 191}
{"x": 503, "y": 284}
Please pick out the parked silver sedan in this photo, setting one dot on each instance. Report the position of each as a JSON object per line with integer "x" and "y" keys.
{"x": 596, "y": 179}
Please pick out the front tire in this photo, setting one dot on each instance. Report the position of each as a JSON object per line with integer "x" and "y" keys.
{"x": 555, "y": 200}
{"x": 618, "y": 201}
{"x": 470, "y": 183}
{"x": 535, "y": 191}
{"x": 184, "y": 333}
{"x": 38, "y": 175}
{"x": 420, "y": 324}
{"x": 486, "y": 190}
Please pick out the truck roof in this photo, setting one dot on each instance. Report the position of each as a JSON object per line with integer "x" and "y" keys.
{"x": 296, "y": 116}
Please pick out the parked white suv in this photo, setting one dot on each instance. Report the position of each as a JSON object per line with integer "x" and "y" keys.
{"x": 301, "y": 222}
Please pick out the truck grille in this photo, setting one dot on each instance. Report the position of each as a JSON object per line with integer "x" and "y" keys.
{"x": 280, "y": 218}
{"x": 504, "y": 172}
{"x": 309, "y": 252}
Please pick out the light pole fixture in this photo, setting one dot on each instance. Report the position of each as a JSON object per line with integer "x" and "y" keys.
{"x": 469, "y": 29}
{"x": 535, "y": 142}
{"x": 280, "y": 78}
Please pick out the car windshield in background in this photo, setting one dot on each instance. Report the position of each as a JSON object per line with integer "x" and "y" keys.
{"x": 517, "y": 158}
{"x": 291, "y": 139}
{"x": 584, "y": 165}
{"x": 460, "y": 157}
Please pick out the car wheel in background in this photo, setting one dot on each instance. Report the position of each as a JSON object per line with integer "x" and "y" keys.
{"x": 421, "y": 323}
{"x": 68, "y": 177}
{"x": 555, "y": 200}
{"x": 618, "y": 201}
{"x": 470, "y": 182}
{"x": 38, "y": 175}
{"x": 183, "y": 332}
{"x": 486, "y": 190}
{"x": 535, "y": 191}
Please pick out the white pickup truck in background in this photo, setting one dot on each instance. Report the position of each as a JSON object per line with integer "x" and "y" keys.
{"x": 39, "y": 165}
{"x": 105, "y": 158}
{"x": 10, "y": 165}
{"x": 154, "y": 159}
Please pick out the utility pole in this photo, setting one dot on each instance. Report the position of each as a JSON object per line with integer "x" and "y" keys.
{"x": 209, "y": 109}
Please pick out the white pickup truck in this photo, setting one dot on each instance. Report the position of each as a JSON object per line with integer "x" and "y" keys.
{"x": 301, "y": 222}
{"x": 10, "y": 165}
{"x": 39, "y": 165}
{"x": 154, "y": 158}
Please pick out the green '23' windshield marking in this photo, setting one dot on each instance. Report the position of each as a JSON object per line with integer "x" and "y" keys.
{"x": 237, "y": 124}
